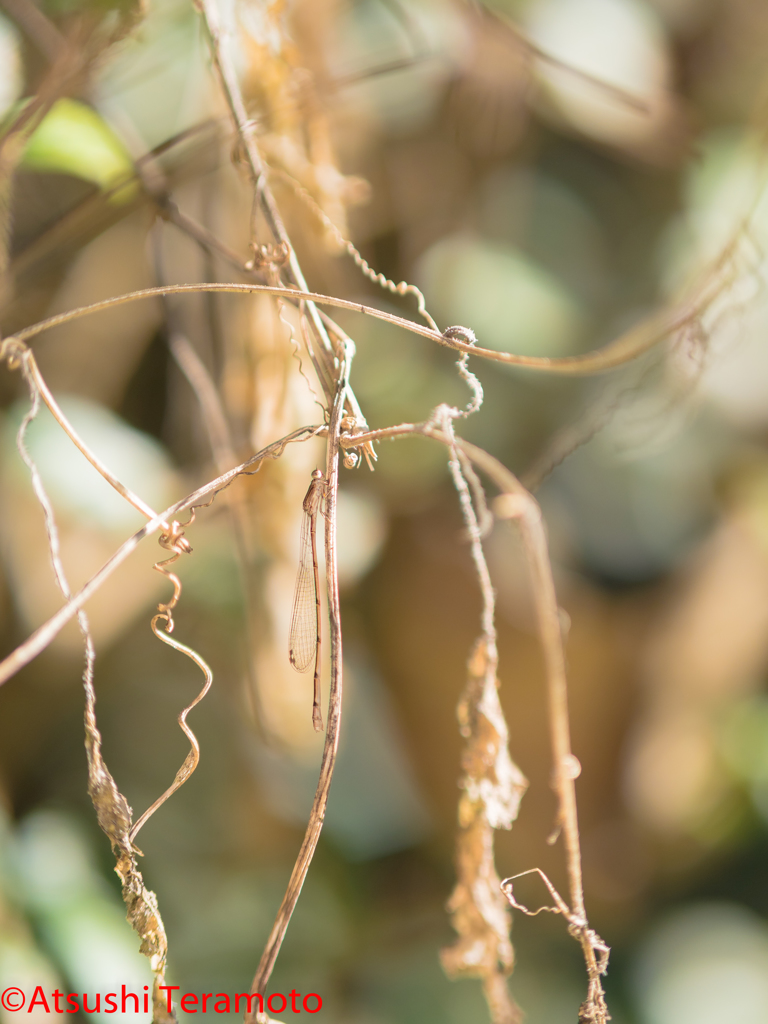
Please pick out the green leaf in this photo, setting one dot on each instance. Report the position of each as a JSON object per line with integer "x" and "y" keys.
{"x": 73, "y": 139}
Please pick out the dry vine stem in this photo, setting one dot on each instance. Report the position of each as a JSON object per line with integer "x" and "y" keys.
{"x": 123, "y": 837}
{"x": 112, "y": 810}
{"x": 323, "y": 357}
{"x": 49, "y": 630}
{"x": 520, "y": 506}
{"x": 593, "y": 1010}
{"x": 175, "y": 541}
{"x": 546, "y": 605}
{"x": 628, "y": 346}
{"x": 517, "y": 504}
{"x": 492, "y": 785}
{"x": 330, "y": 748}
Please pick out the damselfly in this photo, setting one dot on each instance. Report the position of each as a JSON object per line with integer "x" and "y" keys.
{"x": 304, "y": 643}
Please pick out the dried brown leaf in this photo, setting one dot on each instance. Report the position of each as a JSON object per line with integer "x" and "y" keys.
{"x": 493, "y": 788}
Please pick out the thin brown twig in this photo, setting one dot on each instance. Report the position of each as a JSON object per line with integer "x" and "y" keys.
{"x": 246, "y": 133}
{"x": 492, "y": 784}
{"x": 112, "y": 810}
{"x": 14, "y": 350}
{"x": 213, "y": 246}
{"x": 17, "y": 127}
{"x": 516, "y": 503}
{"x": 44, "y": 634}
{"x": 629, "y": 99}
{"x": 330, "y": 749}
{"x": 68, "y": 64}
{"x": 21, "y": 356}
{"x": 628, "y": 346}
{"x": 594, "y": 1009}
{"x": 175, "y": 542}
{"x": 224, "y": 458}
{"x": 400, "y": 288}
{"x": 624, "y": 96}
{"x": 479, "y": 500}
{"x": 206, "y": 239}
{"x": 77, "y": 222}
{"x": 223, "y": 453}
{"x": 201, "y": 383}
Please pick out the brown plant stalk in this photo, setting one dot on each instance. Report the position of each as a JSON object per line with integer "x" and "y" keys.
{"x": 330, "y": 748}
{"x": 492, "y": 786}
{"x": 517, "y": 504}
{"x": 37, "y": 641}
{"x": 112, "y": 810}
{"x": 624, "y": 349}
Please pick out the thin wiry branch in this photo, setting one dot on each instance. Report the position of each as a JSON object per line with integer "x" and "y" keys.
{"x": 222, "y": 449}
{"x": 330, "y": 749}
{"x": 176, "y": 542}
{"x": 593, "y": 1010}
{"x": 492, "y": 785}
{"x": 269, "y": 259}
{"x": 207, "y": 395}
{"x": 206, "y": 239}
{"x": 519, "y": 505}
{"x": 213, "y": 246}
{"x": 479, "y": 500}
{"x": 487, "y": 618}
{"x": 598, "y": 414}
{"x": 19, "y": 356}
{"x": 401, "y": 288}
{"x": 97, "y": 211}
{"x": 112, "y": 810}
{"x": 15, "y": 351}
{"x": 616, "y": 92}
{"x": 45, "y": 633}
{"x": 324, "y": 358}
{"x": 628, "y": 346}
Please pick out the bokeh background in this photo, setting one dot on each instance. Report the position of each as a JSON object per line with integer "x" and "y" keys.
{"x": 549, "y": 172}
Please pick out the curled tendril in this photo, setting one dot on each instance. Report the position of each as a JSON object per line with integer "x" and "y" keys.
{"x": 593, "y": 1010}
{"x": 174, "y": 540}
{"x": 399, "y": 288}
{"x": 12, "y": 351}
{"x": 271, "y": 258}
{"x": 268, "y": 256}
{"x": 467, "y": 335}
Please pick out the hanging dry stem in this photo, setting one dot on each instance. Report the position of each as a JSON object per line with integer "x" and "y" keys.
{"x": 492, "y": 788}
{"x": 112, "y": 810}
{"x": 492, "y": 785}
{"x": 330, "y": 748}
{"x": 47, "y": 632}
{"x": 519, "y": 505}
